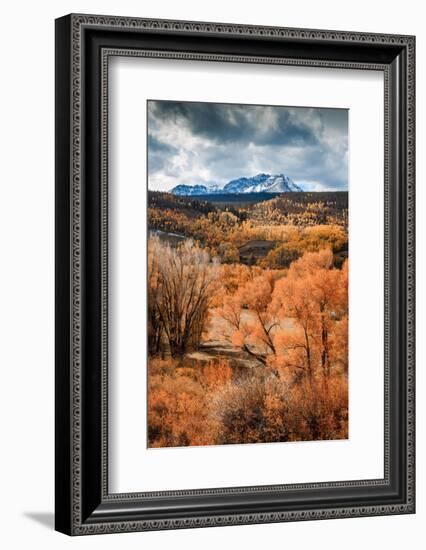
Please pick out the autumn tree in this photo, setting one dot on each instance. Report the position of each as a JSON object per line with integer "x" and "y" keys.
{"x": 282, "y": 256}
{"x": 155, "y": 322}
{"x": 250, "y": 318}
{"x": 315, "y": 297}
{"x": 182, "y": 282}
{"x": 324, "y": 236}
{"x": 293, "y": 321}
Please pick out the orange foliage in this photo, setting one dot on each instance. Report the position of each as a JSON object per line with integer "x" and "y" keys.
{"x": 179, "y": 403}
{"x": 286, "y": 318}
{"x": 264, "y": 408}
{"x": 207, "y": 406}
{"x": 216, "y": 375}
{"x": 222, "y": 232}
{"x": 298, "y": 321}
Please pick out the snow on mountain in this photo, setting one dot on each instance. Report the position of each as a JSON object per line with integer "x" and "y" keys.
{"x": 191, "y": 190}
{"x": 261, "y": 183}
{"x": 241, "y": 185}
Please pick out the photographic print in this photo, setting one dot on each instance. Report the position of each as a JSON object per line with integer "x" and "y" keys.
{"x": 247, "y": 273}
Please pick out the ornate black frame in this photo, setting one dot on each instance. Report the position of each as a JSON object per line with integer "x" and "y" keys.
{"x": 83, "y": 46}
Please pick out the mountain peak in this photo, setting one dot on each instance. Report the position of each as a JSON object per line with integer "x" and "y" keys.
{"x": 260, "y": 183}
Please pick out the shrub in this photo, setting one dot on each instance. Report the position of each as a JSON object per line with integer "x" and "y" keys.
{"x": 268, "y": 409}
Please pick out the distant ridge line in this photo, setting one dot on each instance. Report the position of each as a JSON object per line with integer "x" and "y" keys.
{"x": 261, "y": 183}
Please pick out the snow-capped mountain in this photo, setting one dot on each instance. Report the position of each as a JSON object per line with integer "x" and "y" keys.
{"x": 191, "y": 190}
{"x": 261, "y": 183}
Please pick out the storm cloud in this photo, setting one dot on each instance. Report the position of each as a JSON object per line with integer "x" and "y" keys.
{"x": 212, "y": 143}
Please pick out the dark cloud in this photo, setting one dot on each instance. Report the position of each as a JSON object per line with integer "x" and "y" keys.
{"x": 336, "y": 119}
{"x": 157, "y": 146}
{"x": 158, "y": 153}
{"x": 224, "y": 123}
{"x": 207, "y": 143}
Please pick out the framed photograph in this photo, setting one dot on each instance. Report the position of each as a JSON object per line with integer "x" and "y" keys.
{"x": 234, "y": 274}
